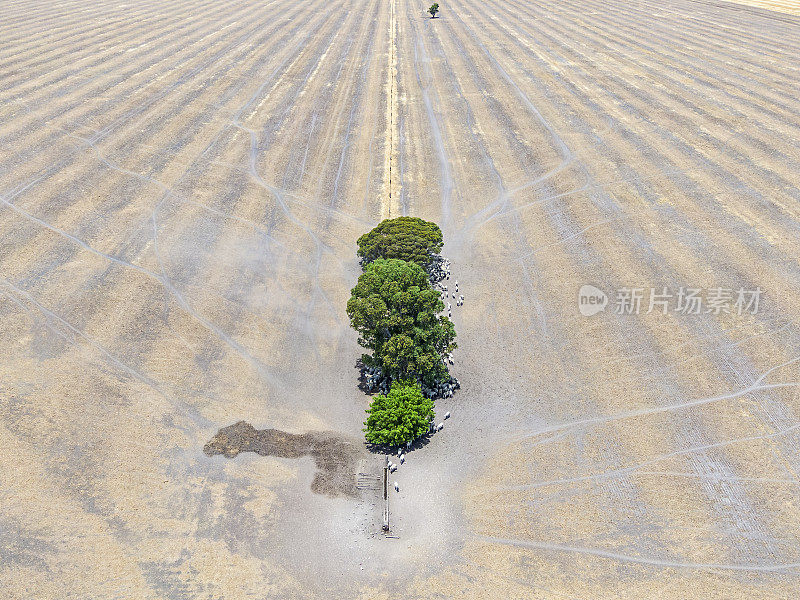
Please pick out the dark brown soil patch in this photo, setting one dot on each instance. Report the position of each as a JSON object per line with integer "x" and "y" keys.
{"x": 335, "y": 457}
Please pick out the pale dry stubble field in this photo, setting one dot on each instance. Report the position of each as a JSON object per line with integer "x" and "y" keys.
{"x": 181, "y": 187}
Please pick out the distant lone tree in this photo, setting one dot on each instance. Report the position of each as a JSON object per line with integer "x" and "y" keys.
{"x": 401, "y": 416}
{"x": 433, "y": 10}
{"x": 407, "y": 238}
{"x": 395, "y": 311}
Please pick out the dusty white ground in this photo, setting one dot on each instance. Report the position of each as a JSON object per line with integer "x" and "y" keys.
{"x": 181, "y": 186}
{"x": 787, "y": 6}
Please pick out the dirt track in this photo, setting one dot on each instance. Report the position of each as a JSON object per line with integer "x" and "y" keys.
{"x": 181, "y": 185}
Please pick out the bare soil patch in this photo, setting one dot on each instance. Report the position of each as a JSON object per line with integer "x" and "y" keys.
{"x": 336, "y": 457}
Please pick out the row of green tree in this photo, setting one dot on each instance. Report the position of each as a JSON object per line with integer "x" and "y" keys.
{"x": 395, "y": 310}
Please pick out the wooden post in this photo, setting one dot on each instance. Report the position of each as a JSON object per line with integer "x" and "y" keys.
{"x": 386, "y": 498}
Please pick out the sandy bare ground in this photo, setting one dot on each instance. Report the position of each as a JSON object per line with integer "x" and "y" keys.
{"x": 181, "y": 185}
{"x": 786, "y": 6}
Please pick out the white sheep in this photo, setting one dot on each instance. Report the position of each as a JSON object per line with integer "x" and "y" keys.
{"x": 447, "y": 415}
{"x": 402, "y": 459}
{"x": 440, "y": 426}
{"x": 396, "y": 487}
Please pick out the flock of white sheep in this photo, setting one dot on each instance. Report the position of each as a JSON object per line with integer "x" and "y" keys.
{"x": 401, "y": 455}
{"x": 459, "y": 298}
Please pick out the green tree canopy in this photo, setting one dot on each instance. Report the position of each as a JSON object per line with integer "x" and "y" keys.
{"x": 407, "y": 238}
{"x": 400, "y": 416}
{"x": 433, "y": 10}
{"x": 395, "y": 311}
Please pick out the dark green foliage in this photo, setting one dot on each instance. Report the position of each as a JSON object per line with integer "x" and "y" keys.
{"x": 400, "y": 416}
{"x": 433, "y": 10}
{"x": 407, "y": 238}
{"x": 395, "y": 311}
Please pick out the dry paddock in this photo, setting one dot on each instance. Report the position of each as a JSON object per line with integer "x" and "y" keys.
{"x": 181, "y": 185}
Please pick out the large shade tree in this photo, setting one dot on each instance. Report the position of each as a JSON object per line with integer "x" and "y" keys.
{"x": 407, "y": 238}
{"x": 400, "y": 416}
{"x": 395, "y": 311}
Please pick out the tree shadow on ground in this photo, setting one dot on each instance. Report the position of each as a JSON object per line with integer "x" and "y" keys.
{"x": 417, "y": 444}
{"x": 362, "y": 379}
